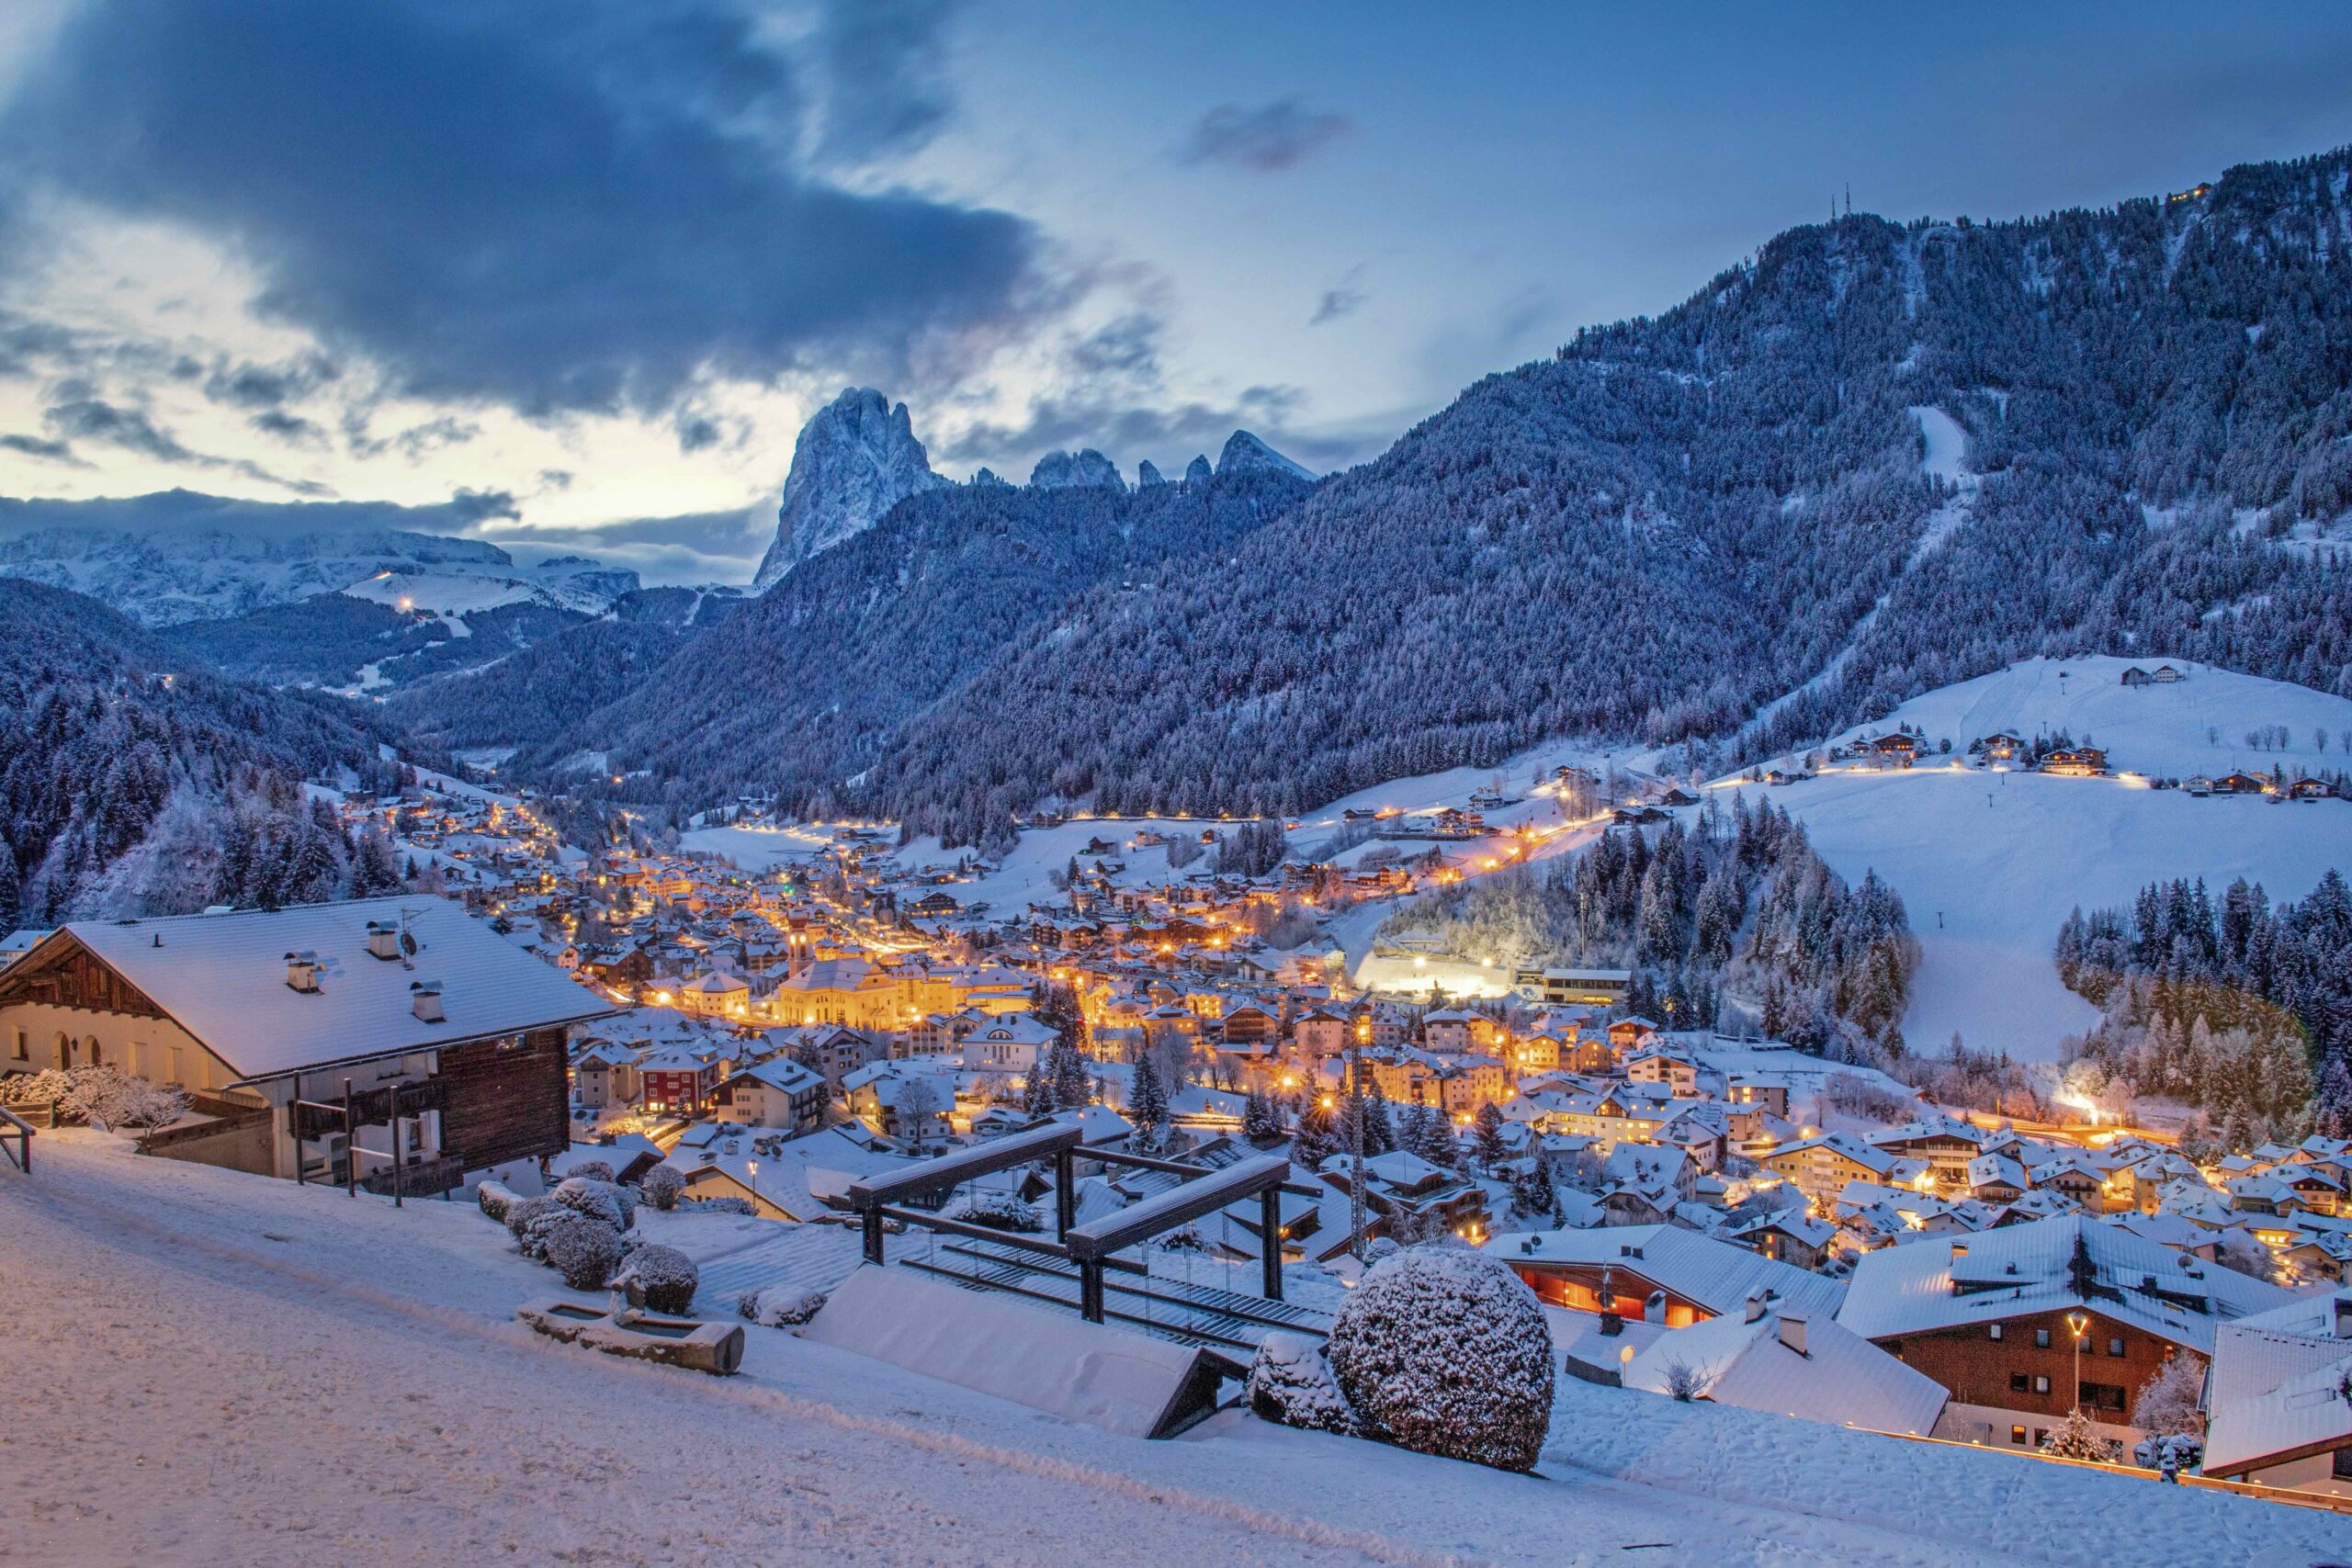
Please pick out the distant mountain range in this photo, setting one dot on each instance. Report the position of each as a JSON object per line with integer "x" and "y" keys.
{"x": 1874, "y": 459}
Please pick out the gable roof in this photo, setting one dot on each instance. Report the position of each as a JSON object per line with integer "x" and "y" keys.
{"x": 1840, "y": 1377}
{"x": 2031, "y": 1267}
{"x": 1714, "y": 1274}
{"x": 222, "y": 978}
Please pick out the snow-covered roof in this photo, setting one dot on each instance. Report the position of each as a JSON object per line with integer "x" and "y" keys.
{"x": 222, "y": 978}
{"x": 2277, "y": 1387}
{"x": 2030, "y": 1268}
{"x": 1837, "y": 1376}
{"x": 1713, "y": 1274}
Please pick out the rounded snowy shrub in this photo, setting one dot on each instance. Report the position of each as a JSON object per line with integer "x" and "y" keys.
{"x": 605, "y": 1200}
{"x": 496, "y": 1199}
{"x": 781, "y": 1306}
{"x": 592, "y": 1170}
{"x": 1445, "y": 1351}
{"x": 662, "y": 1186}
{"x": 582, "y": 1249}
{"x": 1292, "y": 1383}
{"x": 665, "y": 1277}
{"x": 526, "y": 1215}
{"x": 998, "y": 1210}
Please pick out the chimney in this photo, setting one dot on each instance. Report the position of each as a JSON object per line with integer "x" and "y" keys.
{"x": 1612, "y": 1325}
{"x": 424, "y": 1000}
{"x": 1654, "y": 1309}
{"x": 302, "y": 971}
{"x": 383, "y": 940}
{"x": 1792, "y": 1334}
{"x": 1754, "y": 1306}
{"x": 2344, "y": 1314}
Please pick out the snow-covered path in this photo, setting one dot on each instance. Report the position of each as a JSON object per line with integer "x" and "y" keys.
{"x": 210, "y": 1368}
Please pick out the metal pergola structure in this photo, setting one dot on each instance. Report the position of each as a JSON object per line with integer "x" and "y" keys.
{"x": 1088, "y": 1248}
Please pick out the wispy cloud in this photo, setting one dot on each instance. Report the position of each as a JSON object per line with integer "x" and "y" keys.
{"x": 1266, "y": 140}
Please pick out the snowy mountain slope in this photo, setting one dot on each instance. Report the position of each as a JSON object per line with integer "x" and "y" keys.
{"x": 1990, "y": 862}
{"x": 434, "y": 1428}
{"x": 1244, "y": 452}
{"x": 162, "y": 575}
{"x": 855, "y": 459}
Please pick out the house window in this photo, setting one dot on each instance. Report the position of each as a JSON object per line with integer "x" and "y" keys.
{"x": 2103, "y": 1397}
{"x": 2342, "y": 1470}
{"x": 1992, "y": 1331}
{"x": 2041, "y": 1436}
{"x": 2042, "y": 1340}
{"x": 2020, "y": 1384}
{"x": 2041, "y": 1383}
{"x": 2017, "y": 1435}
{"x": 19, "y": 1046}
{"x": 2115, "y": 1346}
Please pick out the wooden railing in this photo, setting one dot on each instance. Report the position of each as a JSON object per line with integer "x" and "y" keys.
{"x": 13, "y": 1126}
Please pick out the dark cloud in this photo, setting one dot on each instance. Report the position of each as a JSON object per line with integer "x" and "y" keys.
{"x": 472, "y": 506}
{"x": 554, "y": 478}
{"x": 110, "y": 425}
{"x": 267, "y": 386}
{"x": 183, "y": 508}
{"x": 578, "y": 206}
{"x": 39, "y": 446}
{"x": 291, "y": 428}
{"x": 93, "y": 419}
{"x": 1340, "y": 300}
{"x": 887, "y": 89}
{"x": 696, "y": 431}
{"x": 1265, "y": 140}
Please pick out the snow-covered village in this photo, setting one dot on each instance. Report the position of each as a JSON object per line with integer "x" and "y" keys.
{"x": 1585, "y": 876}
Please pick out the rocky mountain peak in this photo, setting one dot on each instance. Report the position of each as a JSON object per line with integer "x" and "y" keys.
{"x": 855, "y": 459}
{"x": 1244, "y": 453}
{"x": 1148, "y": 474}
{"x": 1061, "y": 470}
{"x": 1198, "y": 472}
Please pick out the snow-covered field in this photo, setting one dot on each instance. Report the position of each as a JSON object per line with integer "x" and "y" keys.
{"x": 1989, "y": 862}
{"x": 210, "y": 1368}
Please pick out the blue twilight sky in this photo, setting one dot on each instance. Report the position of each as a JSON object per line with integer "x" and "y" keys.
{"x": 586, "y": 265}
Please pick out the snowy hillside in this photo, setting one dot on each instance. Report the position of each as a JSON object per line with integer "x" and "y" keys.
{"x": 567, "y": 583}
{"x": 357, "y": 1370}
{"x": 1990, "y": 862}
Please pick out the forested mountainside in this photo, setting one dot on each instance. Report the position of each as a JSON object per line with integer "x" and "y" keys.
{"x": 1678, "y": 520}
{"x": 547, "y": 689}
{"x": 803, "y": 685}
{"x": 134, "y": 781}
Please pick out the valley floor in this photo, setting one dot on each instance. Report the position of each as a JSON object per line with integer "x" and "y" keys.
{"x": 211, "y": 1367}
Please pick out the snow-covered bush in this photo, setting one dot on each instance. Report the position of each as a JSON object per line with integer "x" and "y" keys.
{"x": 582, "y": 1249}
{"x": 494, "y": 1199}
{"x": 605, "y": 1200}
{"x": 2168, "y": 1404}
{"x": 527, "y": 1218}
{"x": 103, "y": 1095}
{"x": 997, "y": 1208}
{"x": 1687, "y": 1383}
{"x": 662, "y": 1186}
{"x": 593, "y": 1170}
{"x": 1445, "y": 1351}
{"x": 665, "y": 1277}
{"x": 1290, "y": 1383}
{"x": 2076, "y": 1438}
{"x": 781, "y": 1306}
{"x": 42, "y": 1089}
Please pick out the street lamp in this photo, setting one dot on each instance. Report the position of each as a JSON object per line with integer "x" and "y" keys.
{"x": 1355, "y": 1132}
{"x": 2078, "y": 1323}
{"x": 753, "y": 1166}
